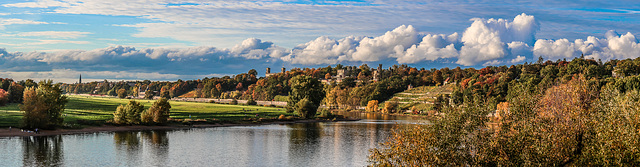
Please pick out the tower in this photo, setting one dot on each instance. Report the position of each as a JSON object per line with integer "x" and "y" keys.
{"x": 268, "y": 70}
{"x": 284, "y": 69}
{"x": 80, "y": 80}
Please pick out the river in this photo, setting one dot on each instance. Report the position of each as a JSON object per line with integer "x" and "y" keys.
{"x": 311, "y": 144}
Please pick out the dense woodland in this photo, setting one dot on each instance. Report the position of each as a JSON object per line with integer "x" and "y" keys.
{"x": 359, "y": 87}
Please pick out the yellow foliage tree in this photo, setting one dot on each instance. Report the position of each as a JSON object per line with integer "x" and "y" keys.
{"x": 372, "y": 106}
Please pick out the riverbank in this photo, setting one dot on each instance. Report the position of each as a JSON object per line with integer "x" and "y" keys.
{"x": 15, "y": 132}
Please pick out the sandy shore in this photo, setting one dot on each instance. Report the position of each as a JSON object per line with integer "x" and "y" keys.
{"x": 15, "y": 132}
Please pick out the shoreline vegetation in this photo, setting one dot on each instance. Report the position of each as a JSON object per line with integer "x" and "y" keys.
{"x": 16, "y": 132}
{"x": 89, "y": 114}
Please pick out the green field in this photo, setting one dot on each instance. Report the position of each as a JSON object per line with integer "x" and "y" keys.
{"x": 94, "y": 111}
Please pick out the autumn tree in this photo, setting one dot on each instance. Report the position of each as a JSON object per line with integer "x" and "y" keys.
{"x": 43, "y": 106}
{"x": 615, "y": 139}
{"x": 450, "y": 140}
{"x": 15, "y": 93}
{"x": 4, "y": 97}
{"x": 437, "y": 77}
{"x": 122, "y": 93}
{"x": 390, "y": 106}
{"x": 372, "y": 106}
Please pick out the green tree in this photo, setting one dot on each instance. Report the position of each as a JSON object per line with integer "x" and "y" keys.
{"x": 160, "y": 111}
{"x": 305, "y": 87}
{"x": 43, "y": 106}
{"x": 128, "y": 114}
{"x": 148, "y": 95}
{"x": 165, "y": 94}
{"x": 306, "y": 109}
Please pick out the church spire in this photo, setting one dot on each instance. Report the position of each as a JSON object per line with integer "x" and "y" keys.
{"x": 80, "y": 80}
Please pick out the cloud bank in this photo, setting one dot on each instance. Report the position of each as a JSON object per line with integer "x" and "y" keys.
{"x": 485, "y": 42}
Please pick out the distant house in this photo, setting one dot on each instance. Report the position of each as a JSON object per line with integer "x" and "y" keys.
{"x": 446, "y": 81}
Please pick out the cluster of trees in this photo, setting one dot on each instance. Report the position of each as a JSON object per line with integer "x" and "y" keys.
{"x": 134, "y": 113}
{"x": 544, "y": 114}
{"x": 43, "y": 106}
{"x": 12, "y": 92}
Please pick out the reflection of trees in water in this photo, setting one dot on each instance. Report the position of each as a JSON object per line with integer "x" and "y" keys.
{"x": 128, "y": 140}
{"x": 42, "y": 151}
{"x": 128, "y": 147}
{"x": 132, "y": 145}
{"x": 159, "y": 146}
{"x": 304, "y": 142}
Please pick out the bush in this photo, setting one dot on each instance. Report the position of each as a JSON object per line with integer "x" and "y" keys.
{"x": 251, "y": 102}
{"x": 128, "y": 114}
{"x": 282, "y": 117}
{"x": 326, "y": 114}
{"x": 234, "y": 102}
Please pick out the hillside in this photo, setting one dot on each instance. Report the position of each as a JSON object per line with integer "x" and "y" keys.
{"x": 422, "y": 97}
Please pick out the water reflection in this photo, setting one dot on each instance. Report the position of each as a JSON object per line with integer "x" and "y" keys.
{"x": 313, "y": 144}
{"x": 304, "y": 142}
{"x": 159, "y": 146}
{"x": 42, "y": 151}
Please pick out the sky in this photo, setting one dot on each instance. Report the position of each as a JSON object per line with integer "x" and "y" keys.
{"x": 192, "y": 39}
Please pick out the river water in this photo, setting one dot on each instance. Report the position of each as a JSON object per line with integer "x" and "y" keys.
{"x": 311, "y": 144}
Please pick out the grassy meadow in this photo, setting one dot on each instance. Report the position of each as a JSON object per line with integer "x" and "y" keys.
{"x": 94, "y": 111}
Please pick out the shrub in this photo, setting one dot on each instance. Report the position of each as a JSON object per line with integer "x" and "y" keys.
{"x": 234, "y": 102}
{"x": 251, "y": 102}
{"x": 128, "y": 114}
{"x": 282, "y": 117}
{"x": 326, "y": 114}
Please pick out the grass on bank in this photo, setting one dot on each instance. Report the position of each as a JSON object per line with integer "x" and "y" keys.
{"x": 95, "y": 111}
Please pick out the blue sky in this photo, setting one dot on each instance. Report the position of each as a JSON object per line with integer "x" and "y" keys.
{"x": 189, "y": 39}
